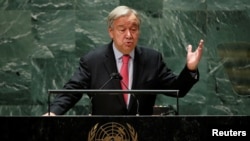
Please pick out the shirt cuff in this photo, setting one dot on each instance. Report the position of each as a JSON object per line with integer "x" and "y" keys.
{"x": 194, "y": 74}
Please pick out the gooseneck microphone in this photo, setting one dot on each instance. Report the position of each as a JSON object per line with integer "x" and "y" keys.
{"x": 112, "y": 76}
{"x": 137, "y": 101}
{"x": 119, "y": 77}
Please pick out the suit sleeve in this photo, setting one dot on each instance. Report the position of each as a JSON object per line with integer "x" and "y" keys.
{"x": 63, "y": 102}
{"x": 182, "y": 82}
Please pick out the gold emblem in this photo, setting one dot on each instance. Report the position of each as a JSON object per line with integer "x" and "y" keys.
{"x": 112, "y": 131}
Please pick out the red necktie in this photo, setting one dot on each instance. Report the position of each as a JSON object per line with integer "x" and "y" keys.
{"x": 125, "y": 75}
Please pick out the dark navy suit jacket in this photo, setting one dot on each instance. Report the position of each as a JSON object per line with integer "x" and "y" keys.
{"x": 150, "y": 72}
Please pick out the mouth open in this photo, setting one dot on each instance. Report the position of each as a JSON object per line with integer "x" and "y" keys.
{"x": 128, "y": 43}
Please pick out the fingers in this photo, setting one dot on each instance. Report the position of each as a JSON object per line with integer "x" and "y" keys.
{"x": 199, "y": 48}
{"x": 189, "y": 48}
{"x": 201, "y": 44}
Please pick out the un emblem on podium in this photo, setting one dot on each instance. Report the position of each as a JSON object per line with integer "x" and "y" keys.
{"x": 112, "y": 131}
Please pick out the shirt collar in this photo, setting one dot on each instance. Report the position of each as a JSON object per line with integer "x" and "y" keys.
{"x": 118, "y": 54}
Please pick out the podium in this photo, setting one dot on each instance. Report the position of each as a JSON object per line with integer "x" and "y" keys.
{"x": 123, "y": 128}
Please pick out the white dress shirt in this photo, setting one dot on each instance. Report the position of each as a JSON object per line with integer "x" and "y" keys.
{"x": 118, "y": 58}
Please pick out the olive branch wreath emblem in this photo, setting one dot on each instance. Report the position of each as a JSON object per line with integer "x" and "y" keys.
{"x": 96, "y": 130}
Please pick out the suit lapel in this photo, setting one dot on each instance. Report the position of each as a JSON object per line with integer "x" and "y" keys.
{"x": 137, "y": 72}
{"x": 109, "y": 61}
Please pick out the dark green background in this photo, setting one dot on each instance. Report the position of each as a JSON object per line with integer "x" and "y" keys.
{"x": 41, "y": 42}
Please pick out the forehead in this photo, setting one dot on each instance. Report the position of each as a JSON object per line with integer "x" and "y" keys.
{"x": 130, "y": 19}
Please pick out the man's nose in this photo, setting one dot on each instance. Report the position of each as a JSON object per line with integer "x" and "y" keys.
{"x": 128, "y": 34}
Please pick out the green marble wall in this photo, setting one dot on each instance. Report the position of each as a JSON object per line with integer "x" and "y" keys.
{"x": 41, "y": 42}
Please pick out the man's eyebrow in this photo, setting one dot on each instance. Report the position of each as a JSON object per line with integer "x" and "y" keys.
{"x": 120, "y": 26}
{"x": 135, "y": 24}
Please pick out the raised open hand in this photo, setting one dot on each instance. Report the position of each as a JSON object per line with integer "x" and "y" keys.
{"x": 193, "y": 58}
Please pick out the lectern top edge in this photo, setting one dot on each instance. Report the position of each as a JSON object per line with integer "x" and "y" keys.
{"x": 65, "y": 91}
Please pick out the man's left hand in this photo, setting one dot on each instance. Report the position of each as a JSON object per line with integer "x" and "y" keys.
{"x": 193, "y": 58}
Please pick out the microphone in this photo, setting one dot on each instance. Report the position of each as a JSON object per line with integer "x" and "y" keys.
{"x": 112, "y": 76}
{"x": 137, "y": 101}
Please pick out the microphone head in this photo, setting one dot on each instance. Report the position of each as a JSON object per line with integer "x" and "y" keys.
{"x": 116, "y": 76}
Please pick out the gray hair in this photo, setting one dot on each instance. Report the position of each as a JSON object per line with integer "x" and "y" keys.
{"x": 119, "y": 12}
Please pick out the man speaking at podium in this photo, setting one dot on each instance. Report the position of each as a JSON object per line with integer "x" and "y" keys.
{"x": 122, "y": 64}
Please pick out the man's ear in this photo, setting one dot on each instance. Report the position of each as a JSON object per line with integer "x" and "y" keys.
{"x": 110, "y": 30}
